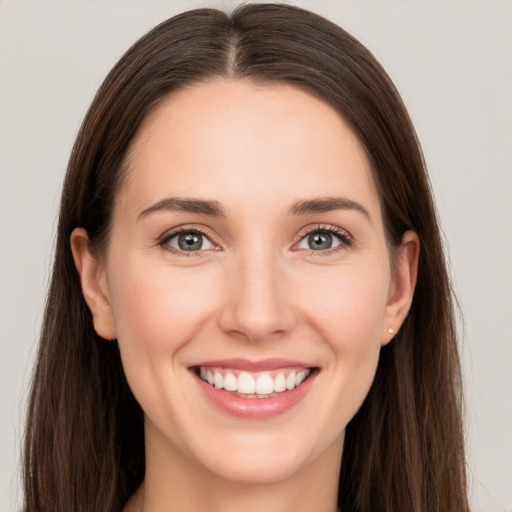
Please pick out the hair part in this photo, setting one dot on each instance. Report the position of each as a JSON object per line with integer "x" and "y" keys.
{"x": 84, "y": 443}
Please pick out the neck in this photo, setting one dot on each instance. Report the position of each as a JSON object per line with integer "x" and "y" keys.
{"x": 175, "y": 483}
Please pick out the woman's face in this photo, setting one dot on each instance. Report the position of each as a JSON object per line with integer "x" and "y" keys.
{"x": 247, "y": 247}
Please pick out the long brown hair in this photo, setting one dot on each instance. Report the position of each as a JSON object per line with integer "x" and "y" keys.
{"x": 404, "y": 449}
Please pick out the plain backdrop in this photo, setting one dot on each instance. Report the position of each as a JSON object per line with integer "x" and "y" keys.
{"x": 452, "y": 63}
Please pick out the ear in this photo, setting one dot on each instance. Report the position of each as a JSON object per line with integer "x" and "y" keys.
{"x": 403, "y": 283}
{"x": 94, "y": 284}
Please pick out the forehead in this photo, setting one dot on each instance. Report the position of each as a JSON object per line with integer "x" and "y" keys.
{"x": 238, "y": 138}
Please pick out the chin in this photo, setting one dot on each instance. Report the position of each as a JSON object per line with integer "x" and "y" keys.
{"x": 258, "y": 470}
{"x": 257, "y": 459}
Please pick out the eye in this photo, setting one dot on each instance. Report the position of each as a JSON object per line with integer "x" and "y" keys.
{"x": 323, "y": 239}
{"x": 190, "y": 240}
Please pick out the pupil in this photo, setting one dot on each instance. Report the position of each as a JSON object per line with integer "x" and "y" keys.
{"x": 190, "y": 242}
{"x": 320, "y": 241}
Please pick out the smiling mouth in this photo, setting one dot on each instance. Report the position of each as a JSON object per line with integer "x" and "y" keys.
{"x": 255, "y": 385}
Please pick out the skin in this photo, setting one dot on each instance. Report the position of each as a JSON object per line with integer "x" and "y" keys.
{"x": 256, "y": 291}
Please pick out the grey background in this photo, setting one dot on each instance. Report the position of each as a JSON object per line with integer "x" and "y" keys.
{"x": 452, "y": 62}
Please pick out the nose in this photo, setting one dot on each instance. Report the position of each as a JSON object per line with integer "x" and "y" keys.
{"x": 257, "y": 305}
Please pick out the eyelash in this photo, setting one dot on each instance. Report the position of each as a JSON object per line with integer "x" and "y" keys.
{"x": 164, "y": 240}
{"x": 346, "y": 240}
{"x": 343, "y": 237}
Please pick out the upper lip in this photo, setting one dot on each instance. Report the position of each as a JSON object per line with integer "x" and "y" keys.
{"x": 254, "y": 366}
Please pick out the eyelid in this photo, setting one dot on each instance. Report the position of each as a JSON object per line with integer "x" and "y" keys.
{"x": 345, "y": 238}
{"x": 163, "y": 240}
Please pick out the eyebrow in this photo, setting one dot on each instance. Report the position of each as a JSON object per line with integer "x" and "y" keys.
{"x": 215, "y": 209}
{"x": 327, "y": 204}
{"x": 178, "y": 204}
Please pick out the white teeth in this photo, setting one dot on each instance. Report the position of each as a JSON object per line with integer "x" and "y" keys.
{"x": 260, "y": 386}
{"x": 246, "y": 384}
{"x": 279, "y": 383}
{"x": 290, "y": 381}
{"x": 230, "y": 382}
{"x": 218, "y": 380}
{"x": 264, "y": 384}
{"x": 300, "y": 377}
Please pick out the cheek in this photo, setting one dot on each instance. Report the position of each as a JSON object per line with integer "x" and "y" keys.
{"x": 350, "y": 308}
{"x": 160, "y": 308}
{"x": 349, "y": 320}
{"x": 352, "y": 323}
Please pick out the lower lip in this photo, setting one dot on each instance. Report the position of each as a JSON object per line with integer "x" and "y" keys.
{"x": 256, "y": 408}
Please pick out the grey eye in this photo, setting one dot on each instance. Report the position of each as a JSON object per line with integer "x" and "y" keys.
{"x": 190, "y": 241}
{"x": 319, "y": 241}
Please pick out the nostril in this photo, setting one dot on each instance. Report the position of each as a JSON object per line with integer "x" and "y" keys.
{"x": 258, "y": 311}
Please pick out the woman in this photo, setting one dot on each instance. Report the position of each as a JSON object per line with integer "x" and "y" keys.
{"x": 249, "y": 304}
